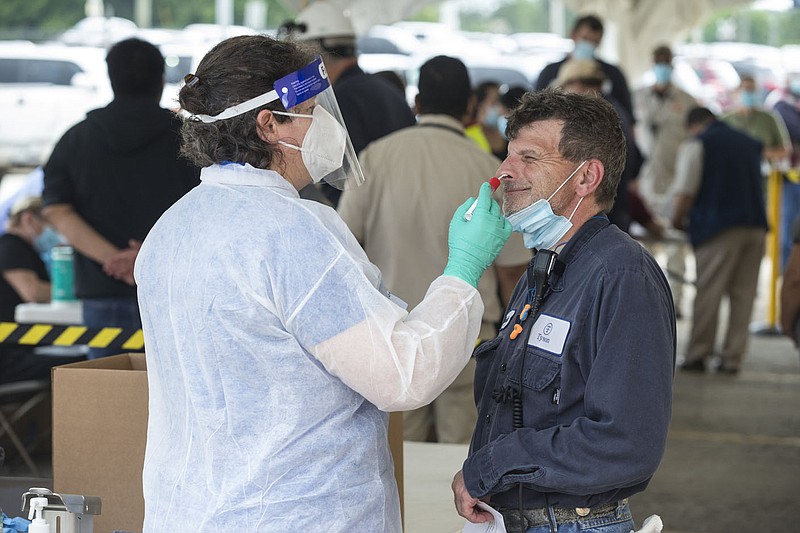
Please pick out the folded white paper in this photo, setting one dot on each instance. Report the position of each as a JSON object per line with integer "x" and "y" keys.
{"x": 495, "y": 526}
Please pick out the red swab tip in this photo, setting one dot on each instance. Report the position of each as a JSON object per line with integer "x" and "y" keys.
{"x": 494, "y": 183}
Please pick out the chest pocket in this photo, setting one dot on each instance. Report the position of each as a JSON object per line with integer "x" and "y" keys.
{"x": 484, "y": 358}
{"x": 541, "y": 382}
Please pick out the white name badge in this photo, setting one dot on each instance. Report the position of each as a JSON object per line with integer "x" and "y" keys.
{"x": 549, "y": 333}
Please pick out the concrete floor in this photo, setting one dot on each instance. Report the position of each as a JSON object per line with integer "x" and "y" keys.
{"x": 733, "y": 456}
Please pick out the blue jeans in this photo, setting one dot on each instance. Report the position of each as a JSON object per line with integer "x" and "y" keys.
{"x": 110, "y": 312}
{"x": 620, "y": 522}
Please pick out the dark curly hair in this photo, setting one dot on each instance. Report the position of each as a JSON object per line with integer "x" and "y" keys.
{"x": 234, "y": 71}
{"x": 591, "y": 129}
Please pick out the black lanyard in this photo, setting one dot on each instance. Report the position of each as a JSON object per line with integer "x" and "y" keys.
{"x": 443, "y": 127}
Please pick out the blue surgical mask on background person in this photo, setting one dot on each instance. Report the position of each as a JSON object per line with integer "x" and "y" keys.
{"x": 502, "y": 123}
{"x": 748, "y": 99}
{"x": 44, "y": 243}
{"x": 663, "y": 72}
{"x": 794, "y": 86}
{"x": 584, "y": 50}
{"x": 46, "y": 240}
{"x": 492, "y": 116}
{"x": 539, "y": 226}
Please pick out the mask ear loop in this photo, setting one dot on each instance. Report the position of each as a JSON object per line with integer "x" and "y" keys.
{"x": 575, "y": 210}
{"x": 287, "y": 114}
{"x": 565, "y": 181}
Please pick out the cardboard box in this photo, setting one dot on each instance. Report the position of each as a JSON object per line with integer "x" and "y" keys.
{"x": 100, "y": 432}
{"x": 99, "y": 435}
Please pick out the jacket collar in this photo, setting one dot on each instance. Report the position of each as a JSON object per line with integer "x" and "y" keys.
{"x": 245, "y": 174}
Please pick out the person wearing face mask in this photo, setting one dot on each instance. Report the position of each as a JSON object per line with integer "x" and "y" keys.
{"x": 587, "y": 33}
{"x": 788, "y": 108}
{"x": 661, "y": 111}
{"x": 488, "y": 117}
{"x": 574, "y": 394}
{"x": 24, "y": 279}
{"x": 274, "y": 350}
{"x": 764, "y": 126}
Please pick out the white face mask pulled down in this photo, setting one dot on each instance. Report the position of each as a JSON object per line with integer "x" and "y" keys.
{"x": 324, "y": 145}
{"x": 539, "y": 226}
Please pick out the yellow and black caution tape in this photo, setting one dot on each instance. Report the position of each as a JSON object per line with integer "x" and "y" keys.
{"x": 50, "y": 335}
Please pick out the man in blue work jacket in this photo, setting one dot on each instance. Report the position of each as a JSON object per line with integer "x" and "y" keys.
{"x": 574, "y": 394}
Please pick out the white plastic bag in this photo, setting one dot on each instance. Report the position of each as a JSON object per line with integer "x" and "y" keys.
{"x": 652, "y": 524}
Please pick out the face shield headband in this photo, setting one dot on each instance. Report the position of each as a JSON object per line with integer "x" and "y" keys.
{"x": 293, "y": 89}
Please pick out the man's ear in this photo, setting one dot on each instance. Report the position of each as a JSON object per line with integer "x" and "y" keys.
{"x": 267, "y": 126}
{"x": 589, "y": 177}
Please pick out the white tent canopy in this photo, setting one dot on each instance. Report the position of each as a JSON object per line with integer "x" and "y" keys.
{"x": 634, "y": 26}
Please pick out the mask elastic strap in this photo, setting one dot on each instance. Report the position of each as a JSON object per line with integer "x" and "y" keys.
{"x": 565, "y": 181}
{"x": 575, "y": 210}
{"x": 298, "y": 148}
{"x": 286, "y": 113}
{"x": 238, "y": 109}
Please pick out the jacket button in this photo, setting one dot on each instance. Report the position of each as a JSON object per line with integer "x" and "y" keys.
{"x": 503, "y": 367}
{"x": 582, "y": 511}
{"x": 481, "y": 485}
{"x": 488, "y": 418}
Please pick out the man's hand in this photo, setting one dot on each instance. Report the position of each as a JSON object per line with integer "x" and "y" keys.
{"x": 120, "y": 265}
{"x": 465, "y": 504}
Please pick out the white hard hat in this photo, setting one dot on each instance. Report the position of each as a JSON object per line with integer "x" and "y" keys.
{"x": 322, "y": 21}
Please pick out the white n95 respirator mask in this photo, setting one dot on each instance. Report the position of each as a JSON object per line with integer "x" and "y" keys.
{"x": 323, "y": 146}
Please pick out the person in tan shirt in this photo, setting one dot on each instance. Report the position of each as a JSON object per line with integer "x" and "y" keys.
{"x": 416, "y": 177}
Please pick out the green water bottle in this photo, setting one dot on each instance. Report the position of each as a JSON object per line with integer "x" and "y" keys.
{"x": 63, "y": 275}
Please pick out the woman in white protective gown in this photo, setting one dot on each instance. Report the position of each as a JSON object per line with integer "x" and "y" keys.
{"x": 273, "y": 351}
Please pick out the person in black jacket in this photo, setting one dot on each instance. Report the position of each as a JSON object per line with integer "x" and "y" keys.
{"x": 108, "y": 180}
{"x": 587, "y": 32}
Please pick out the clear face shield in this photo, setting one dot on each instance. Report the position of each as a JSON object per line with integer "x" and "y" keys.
{"x": 326, "y": 148}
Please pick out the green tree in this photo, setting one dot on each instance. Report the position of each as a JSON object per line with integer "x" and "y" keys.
{"x": 759, "y": 27}
{"x": 22, "y": 18}
{"x": 43, "y": 19}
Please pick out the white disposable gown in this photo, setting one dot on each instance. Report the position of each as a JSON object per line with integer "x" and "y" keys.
{"x": 272, "y": 358}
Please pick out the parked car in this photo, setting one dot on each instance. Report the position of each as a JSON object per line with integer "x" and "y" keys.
{"x": 180, "y": 59}
{"x": 45, "y": 89}
{"x": 99, "y": 31}
{"x": 720, "y": 80}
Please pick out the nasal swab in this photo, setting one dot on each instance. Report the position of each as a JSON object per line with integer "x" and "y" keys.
{"x": 494, "y": 183}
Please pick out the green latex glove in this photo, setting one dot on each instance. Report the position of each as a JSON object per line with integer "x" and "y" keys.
{"x": 474, "y": 244}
